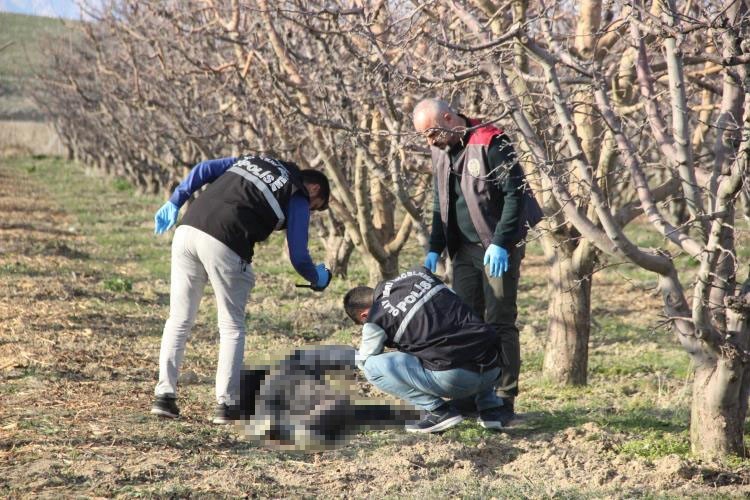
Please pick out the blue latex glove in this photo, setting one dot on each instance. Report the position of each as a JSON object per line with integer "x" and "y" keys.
{"x": 165, "y": 217}
{"x": 497, "y": 258}
{"x": 324, "y": 277}
{"x": 430, "y": 262}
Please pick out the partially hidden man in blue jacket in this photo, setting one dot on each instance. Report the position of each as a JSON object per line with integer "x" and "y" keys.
{"x": 443, "y": 350}
{"x": 247, "y": 198}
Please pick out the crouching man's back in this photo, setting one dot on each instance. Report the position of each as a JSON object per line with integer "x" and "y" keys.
{"x": 443, "y": 351}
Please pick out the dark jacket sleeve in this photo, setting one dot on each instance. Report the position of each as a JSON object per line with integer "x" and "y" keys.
{"x": 509, "y": 179}
{"x": 437, "y": 234}
{"x": 319, "y": 360}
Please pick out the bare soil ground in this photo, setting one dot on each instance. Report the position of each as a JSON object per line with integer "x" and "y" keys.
{"x": 83, "y": 296}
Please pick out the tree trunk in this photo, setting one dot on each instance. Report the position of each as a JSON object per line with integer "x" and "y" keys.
{"x": 567, "y": 352}
{"x": 721, "y": 388}
{"x": 338, "y": 252}
{"x": 337, "y": 243}
{"x": 383, "y": 270}
{"x": 678, "y": 211}
{"x": 718, "y": 409}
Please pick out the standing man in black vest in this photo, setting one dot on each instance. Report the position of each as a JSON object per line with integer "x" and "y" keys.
{"x": 443, "y": 350}
{"x": 247, "y": 199}
{"x": 481, "y": 210}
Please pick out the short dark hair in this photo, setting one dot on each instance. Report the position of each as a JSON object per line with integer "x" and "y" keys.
{"x": 357, "y": 299}
{"x": 317, "y": 177}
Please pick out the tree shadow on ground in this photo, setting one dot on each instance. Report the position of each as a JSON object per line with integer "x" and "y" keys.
{"x": 541, "y": 423}
{"x": 32, "y": 228}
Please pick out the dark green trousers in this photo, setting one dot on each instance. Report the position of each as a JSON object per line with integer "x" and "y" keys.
{"x": 494, "y": 299}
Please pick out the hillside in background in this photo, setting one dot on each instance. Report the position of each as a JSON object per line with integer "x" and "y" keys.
{"x": 22, "y": 42}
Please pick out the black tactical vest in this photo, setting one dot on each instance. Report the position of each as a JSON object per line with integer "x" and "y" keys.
{"x": 422, "y": 316}
{"x": 246, "y": 203}
{"x": 483, "y": 199}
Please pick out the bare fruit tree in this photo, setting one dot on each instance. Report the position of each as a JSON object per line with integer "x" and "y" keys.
{"x": 649, "y": 119}
{"x": 157, "y": 86}
{"x": 450, "y": 61}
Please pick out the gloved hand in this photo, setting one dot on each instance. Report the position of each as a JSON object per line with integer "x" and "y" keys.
{"x": 165, "y": 217}
{"x": 324, "y": 278}
{"x": 497, "y": 258}
{"x": 430, "y": 262}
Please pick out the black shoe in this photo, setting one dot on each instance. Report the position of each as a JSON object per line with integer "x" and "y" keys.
{"x": 165, "y": 406}
{"x": 497, "y": 418}
{"x": 225, "y": 414}
{"x": 438, "y": 420}
{"x": 465, "y": 406}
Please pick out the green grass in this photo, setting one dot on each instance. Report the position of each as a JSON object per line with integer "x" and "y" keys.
{"x": 118, "y": 225}
{"x": 468, "y": 433}
{"x": 118, "y": 284}
{"x": 644, "y": 235}
{"x": 124, "y": 185}
{"x": 674, "y": 364}
{"x": 656, "y": 444}
{"x": 17, "y": 268}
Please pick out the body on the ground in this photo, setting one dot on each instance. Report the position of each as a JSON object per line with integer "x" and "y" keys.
{"x": 303, "y": 401}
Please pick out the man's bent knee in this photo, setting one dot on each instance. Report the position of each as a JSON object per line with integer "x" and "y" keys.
{"x": 371, "y": 370}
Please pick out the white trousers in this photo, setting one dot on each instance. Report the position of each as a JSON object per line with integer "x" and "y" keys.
{"x": 196, "y": 259}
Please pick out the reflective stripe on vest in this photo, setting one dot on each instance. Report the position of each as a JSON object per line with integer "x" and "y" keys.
{"x": 263, "y": 187}
{"x": 417, "y": 306}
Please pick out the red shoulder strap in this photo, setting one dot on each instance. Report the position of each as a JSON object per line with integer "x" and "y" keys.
{"x": 482, "y": 135}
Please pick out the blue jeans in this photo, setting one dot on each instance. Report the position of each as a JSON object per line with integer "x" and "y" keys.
{"x": 402, "y": 375}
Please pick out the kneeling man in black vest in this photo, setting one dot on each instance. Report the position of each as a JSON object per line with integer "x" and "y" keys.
{"x": 443, "y": 351}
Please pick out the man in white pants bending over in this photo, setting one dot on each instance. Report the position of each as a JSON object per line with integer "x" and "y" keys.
{"x": 247, "y": 199}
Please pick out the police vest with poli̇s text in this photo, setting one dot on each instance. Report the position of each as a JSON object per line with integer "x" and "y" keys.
{"x": 483, "y": 200}
{"x": 246, "y": 203}
{"x": 423, "y": 317}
